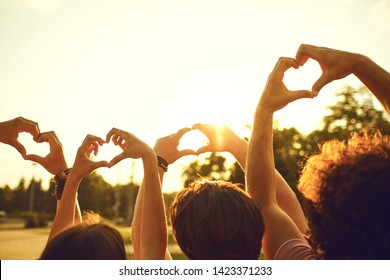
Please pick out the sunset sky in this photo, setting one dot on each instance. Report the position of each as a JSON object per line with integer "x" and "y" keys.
{"x": 81, "y": 67}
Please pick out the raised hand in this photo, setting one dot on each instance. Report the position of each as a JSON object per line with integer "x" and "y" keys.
{"x": 335, "y": 64}
{"x": 54, "y": 162}
{"x": 132, "y": 146}
{"x": 166, "y": 147}
{"x": 9, "y": 132}
{"x": 276, "y": 95}
{"x": 83, "y": 165}
{"x": 221, "y": 138}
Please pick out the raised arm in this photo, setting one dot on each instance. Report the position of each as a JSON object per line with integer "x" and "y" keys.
{"x": 224, "y": 139}
{"x": 166, "y": 149}
{"x": 54, "y": 163}
{"x": 149, "y": 226}
{"x": 67, "y": 205}
{"x": 338, "y": 64}
{"x": 260, "y": 175}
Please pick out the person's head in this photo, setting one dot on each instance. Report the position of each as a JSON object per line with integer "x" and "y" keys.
{"x": 216, "y": 220}
{"x": 347, "y": 192}
{"x": 90, "y": 240}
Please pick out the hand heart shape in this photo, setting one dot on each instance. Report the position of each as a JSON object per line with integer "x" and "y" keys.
{"x": 33, "y": 148}
{"x": 193, "y": 140}
{"x": 304, "y": 77}
{"x": 106, "y": 152}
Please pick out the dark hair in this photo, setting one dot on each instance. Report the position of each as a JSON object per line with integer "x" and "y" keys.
{"x": 347, "y": 192}
{"x": 217, "y": 220}
{"x": 90, "y": 240}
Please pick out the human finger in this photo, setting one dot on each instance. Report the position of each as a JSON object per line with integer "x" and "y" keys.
{"x": 186, "y": 152}
{"x": 19, "y": 147}
{"x": 117, "y": 159}
{"x": 198, "y": 126}
{"x": 29, "y": 126}
{"x": 298, "y": 94}
{"x": 51, "y": 138}
{"x": 94, "y": 146}
{"x": 305, "y": 52}
{"x": 320, "y": 83}
{"x": 113, "y": 132}
{"x": 47, "y": 137}
{"x": 99, "y": 164}
{"x": 203, "y": 149}
{"x": 35, "y": 158}
{"x": 179, "y": 134}
{"x": 206, "y": 129}
{"x": 283, "y": 64}
{"x": 122, "y": 143}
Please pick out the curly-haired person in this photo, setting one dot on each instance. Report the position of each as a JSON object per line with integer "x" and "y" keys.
{"x": 347, "y": 185}
{"x": 347, "y": 191}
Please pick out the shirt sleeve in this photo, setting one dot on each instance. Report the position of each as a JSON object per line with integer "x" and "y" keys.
{"x": 295, "y": 249}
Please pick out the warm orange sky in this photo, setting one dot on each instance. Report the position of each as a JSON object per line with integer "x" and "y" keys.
{"x": 153, "y": 67}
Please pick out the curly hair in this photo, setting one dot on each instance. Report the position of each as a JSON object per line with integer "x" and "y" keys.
{"x": 93, "y": 239}
{"x": 216, "y": 220}
{"x": 347, "y": 190}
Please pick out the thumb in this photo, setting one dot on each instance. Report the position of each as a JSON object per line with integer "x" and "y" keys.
{"x": 99, "y": 164}
{"x": 34, "y": 158}
{"x": 19, "y": 147}
{"x": 298, "y": 94}
{"x": 203, "y": 149}
{"x": 319, "y": 84}
{"x": 116, "y": 159}
{"x": 187, "y": 152}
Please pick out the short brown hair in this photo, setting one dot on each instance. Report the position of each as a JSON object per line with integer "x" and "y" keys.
{"x": 347, "y": 193}
{"x": 217, "y": 220}
{"x": 93, "y": 239}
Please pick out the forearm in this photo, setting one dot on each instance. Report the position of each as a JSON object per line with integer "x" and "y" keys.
{"x": 260, "y": 160}
{"x": 239, "y": 151}
{"x": 153, "y": 228}
{"x": 66, "y": 206}
{"x": 375, "y": 78}
{"x": 288, "y": 202}
{"x": 137, "y": 219}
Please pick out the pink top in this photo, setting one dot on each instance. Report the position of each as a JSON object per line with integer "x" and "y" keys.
{"x": 295, "y": 249}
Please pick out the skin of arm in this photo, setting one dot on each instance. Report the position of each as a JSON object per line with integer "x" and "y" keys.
{"x": 67, "y": 207}
{"x": 149, "y": 228}
{"x": 336, "y": 64}
{"x": 260, "y": 175}
{"x": 224, "y": 139}
{"x": 166, "y": 147}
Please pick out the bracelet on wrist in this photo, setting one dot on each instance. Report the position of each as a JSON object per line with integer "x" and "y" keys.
{"x": 60, "y": 181}
{"x": 162, "y": 163}
{"x": 59, "y": 189}
{"x": 62, "y": 175}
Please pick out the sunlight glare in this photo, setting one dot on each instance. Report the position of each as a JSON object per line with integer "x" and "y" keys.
{"x": 193, "y": 140}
